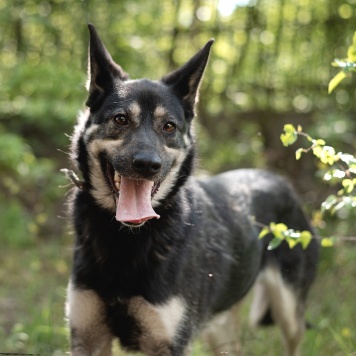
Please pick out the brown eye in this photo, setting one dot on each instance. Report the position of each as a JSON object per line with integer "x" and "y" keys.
{"x": 169, "y": 127}
{"x": 121, "y": 119}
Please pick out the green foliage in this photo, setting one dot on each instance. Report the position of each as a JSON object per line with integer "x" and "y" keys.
{"x": 338, "y": 78}
{"x": 342, "y": 171}
{"x": 32, "y": 292}
{"x": 263, "y": 59}
{"x": 348, "y": 66}
{"x": 15, "y": 225}
{"x": 282, "y": 233}
{"x": 327, "y": 242}
{"x": 289, "y": 136}
{"x": 32, "y": 305}
{"x": 26, "y": 185}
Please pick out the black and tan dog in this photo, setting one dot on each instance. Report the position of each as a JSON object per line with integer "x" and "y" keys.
{"x": 159, "y": 253}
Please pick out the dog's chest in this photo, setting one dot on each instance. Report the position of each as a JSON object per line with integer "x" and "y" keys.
{"x": 145, "y": 326}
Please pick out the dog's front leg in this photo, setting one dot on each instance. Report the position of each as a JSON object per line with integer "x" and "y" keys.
{"x": 85, "y": 312}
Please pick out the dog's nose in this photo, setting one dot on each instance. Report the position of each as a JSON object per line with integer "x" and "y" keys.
{"x": 146, "y": 163}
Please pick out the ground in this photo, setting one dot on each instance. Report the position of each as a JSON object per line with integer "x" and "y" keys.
{"x": 33, "y": 281}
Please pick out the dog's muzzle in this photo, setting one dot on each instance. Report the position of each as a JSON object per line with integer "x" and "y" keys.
{"x": 133, "y": 197}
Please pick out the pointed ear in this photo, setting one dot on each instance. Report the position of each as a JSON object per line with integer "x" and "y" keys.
{"x": 185, "y": 81}
{"x": 103, "y": 72}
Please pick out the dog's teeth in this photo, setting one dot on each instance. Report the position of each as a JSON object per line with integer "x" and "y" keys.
{"x": 117, "y": 177}
{"x": 117, "y": 180}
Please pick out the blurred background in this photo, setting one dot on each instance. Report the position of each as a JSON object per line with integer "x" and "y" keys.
{"x": 270, "y": 65}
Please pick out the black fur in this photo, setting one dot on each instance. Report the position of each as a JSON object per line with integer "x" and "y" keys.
{"x": 204, "y": 247}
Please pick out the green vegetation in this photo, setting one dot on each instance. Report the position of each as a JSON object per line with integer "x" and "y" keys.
{"x": 270, "y": 67}
{"x": 347, "y": 65}
{"x": 32, "y": 292}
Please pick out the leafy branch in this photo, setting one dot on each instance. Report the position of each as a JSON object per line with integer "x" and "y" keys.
{"x": 282, "y": 233}
{"x": 348, "y": 66}
{"x": 342, "y": 167}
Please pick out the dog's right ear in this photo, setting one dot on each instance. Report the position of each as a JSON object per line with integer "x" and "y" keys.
{"x": 103, "y": 72}
{"x": 185, "y": 81}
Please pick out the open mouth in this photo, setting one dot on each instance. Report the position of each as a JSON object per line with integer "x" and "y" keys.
{"x": 133, "y": 197}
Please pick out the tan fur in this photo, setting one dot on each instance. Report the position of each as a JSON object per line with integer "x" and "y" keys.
{"x": 159, "y": 323}
{"x": 100, "y": 191}
{"x": 134, "y": 110}
{"x": 90, "y": 132}
{"x": 171, "y": 179}
{"x": 222, "y": 333}
{"x": 159, "y": 112}
{"x": 84, "y": 311}
{"x": 271, "y": 291}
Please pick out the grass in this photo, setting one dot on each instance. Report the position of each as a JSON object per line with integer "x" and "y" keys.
{"x": 32, "y": 292}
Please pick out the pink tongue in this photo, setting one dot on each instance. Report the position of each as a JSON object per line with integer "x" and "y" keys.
{"x": 134, "y": 202}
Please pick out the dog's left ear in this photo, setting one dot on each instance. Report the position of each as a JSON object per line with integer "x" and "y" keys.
{"x": 185, "y": 81}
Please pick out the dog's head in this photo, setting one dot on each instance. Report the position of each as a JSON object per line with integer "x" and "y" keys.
{"x": 134, "y": 142}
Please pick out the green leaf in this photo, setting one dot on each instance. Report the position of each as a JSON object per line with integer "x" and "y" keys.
{"x": 326, "y": 154}
{"x": 348, "y": 185}
{"x": 317, "y": 150}
{"x": 298, "y": 153}
{"x": 336, "y": 81}
{"x": 320, "y": 142}
{"x": 292, "y": 242}
{"x": 351, "y": 52}
{"x": 305, "y": 238}
{"x": 289, "y": 128}
{"x": 264, "y": 232}
{"x": 274, "y": 244}
{"x": 327, "y": 242}
{"x": 289, "y": 136}
{"x": 278, "y": 230}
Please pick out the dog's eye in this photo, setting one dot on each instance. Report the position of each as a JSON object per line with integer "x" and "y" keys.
{"x": 121, "y": 119}
{"x": 169, "y": 127}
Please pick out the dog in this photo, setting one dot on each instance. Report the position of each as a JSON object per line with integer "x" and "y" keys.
{"x": 159, "y": 253}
